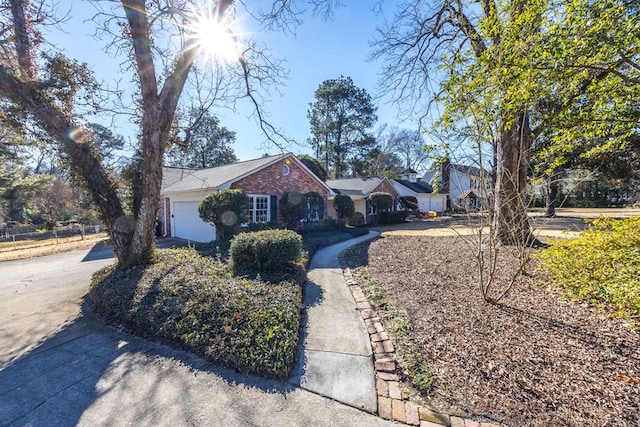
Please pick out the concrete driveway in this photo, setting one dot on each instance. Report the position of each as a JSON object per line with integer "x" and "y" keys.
{"x": 61, "y": 366}
{"x": 40, "y": 296}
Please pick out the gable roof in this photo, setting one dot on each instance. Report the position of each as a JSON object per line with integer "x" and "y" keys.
{"x": 465, "y": 169}
{"x": 408, "y": 171}
{"x": 356, "y": 187}
{"x": 416, "y": 187}
{"x": 176, "y": 180}
{"x": 468, "y": 170}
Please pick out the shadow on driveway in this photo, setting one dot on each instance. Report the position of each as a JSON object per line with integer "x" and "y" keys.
{"x": 91, "y": 374}
{"x": 104, "y": 250}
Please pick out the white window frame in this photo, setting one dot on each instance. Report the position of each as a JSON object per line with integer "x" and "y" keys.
{"x": 253, "y": 198}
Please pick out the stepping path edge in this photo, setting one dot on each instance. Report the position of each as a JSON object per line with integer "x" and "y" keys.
{"x": 391, "y": 403}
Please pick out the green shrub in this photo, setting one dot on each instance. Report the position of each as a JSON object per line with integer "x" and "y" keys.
{"x": 600, "y": 266}
{"x": 345, "y": 208}
{"x": 322, "y": 226}
{"x": 195, "y": 303}
{"x": 226, "y": 209}
{"x": 261, "y": 226}
{"x": 268, "y": 250}
{"x": 293, "y": 206}
{"x": 357, "y": 219}
{"x": 393, "y": 217}
{"x": 381, "y": 200}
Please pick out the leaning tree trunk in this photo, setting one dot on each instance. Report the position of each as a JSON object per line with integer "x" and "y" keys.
{"x": 511, "y": 224}
{"x": 82, "y": 158}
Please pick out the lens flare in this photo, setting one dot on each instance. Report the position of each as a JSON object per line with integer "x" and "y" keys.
{"x": 214, "y": 33}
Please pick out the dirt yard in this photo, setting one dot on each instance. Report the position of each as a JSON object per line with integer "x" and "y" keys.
{"x": 530, "y": 360}
{"x": 51, "y": 246}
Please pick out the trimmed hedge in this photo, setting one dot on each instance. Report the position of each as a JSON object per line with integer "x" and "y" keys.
{"x": 389, "y": 218}
{"x": 322, "y": 226}
{"x": 268, "y": 250}
{"x": 344, "y": 206}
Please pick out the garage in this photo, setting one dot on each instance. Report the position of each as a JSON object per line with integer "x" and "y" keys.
{"x": 188, "y": 225}
{"x": 435, "y": 202}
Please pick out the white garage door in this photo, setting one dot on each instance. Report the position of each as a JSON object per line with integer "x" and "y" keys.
{"x": 432, "y": 203}
{"x": 438, "y": 203}
{"x": 188, "y": 225}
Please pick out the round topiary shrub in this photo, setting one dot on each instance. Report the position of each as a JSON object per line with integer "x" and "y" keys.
{"x": 345, "y": 207}
{"x": 268, "y": 250}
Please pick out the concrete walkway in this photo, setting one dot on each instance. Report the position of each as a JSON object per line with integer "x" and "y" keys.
{"x": 78, "y": 371}
{"x": 337, "y": 357}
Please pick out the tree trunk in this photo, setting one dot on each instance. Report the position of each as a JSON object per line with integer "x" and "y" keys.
{"x": 155, "y": 132}
{"x": 552, "y": 197}
{"x": 511, "y": 224}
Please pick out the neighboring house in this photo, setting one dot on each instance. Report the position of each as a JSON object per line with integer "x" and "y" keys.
{"x": 359, "y": 189}
{"x": 264, "y": 180}
{"x": 467, "y": 186}
{"x": 419, "y": 194}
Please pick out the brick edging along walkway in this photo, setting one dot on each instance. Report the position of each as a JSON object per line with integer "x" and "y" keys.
{"x": 392, "y": 405}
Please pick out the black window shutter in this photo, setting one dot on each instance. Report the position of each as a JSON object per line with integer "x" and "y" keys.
{"x": 274, "y": 209}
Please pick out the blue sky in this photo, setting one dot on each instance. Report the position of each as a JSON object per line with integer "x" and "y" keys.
{"x": 320, "y": 50}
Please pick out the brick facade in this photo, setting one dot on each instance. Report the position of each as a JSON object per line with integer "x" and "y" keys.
{"x": 385, "y": 186}
{"x": 274, "y": 181}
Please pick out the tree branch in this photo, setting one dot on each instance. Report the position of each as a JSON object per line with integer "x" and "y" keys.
{"x": 136, "y": 13}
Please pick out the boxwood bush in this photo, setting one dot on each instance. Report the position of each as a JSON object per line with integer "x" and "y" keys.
{"x": 389, "y": 218}
{"x": 268, "y": 250}
{"x": 600, "y": 266}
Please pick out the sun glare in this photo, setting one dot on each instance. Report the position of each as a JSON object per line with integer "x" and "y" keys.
{"x": 214, "y": 34}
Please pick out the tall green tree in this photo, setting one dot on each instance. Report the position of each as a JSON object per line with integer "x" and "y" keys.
{"x": 207, "y": 143}
{"x": 590, "y": 119}
{"x": 376, "y": 162}
{"x": 339, "y": 118}
{"x": 510, "y": 71}
{"x": 314, "y": 166}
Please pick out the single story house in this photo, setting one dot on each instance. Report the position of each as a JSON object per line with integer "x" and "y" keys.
{"x": 419, "y": 193}
{"x": 359, "y": 189}
{"x": 264, "y": 181}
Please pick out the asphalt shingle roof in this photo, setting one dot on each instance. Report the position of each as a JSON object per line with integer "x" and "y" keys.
{"x": 418, "y": 187}
{"x": 176, "y": 180}
{"x": 355, "y": 187}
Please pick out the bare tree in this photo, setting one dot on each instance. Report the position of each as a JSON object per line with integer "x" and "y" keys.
{"x": 409, "y": 145}
{"x": 47, "y": 96}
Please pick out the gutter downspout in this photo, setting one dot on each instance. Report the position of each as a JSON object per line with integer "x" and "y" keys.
{"x": 165, "y": 217}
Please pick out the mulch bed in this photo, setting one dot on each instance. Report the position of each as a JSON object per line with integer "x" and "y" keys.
{"x": 530, "y": 360}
